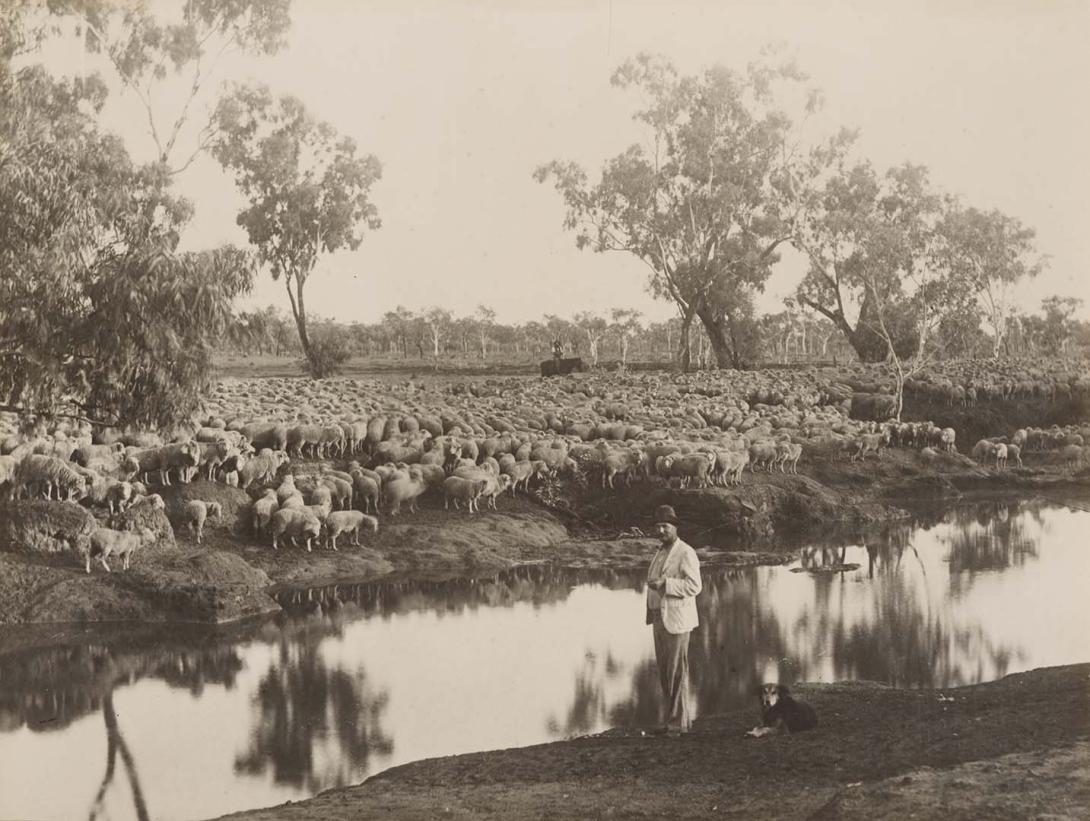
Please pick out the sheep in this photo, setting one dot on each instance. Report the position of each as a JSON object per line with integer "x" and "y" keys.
{"x": 196, "y": 512}
{"x": 179, "y": 456}
{"x": 789, "y": 452}
{"x": 339, "y": 489}
{"x": 494, "y": 485}
{"x": 1000, "y": 452}
{"x": 1014, "y": 452}
{"x": 348, "y": 521}
{"x": 286, "y": 488}
{"x": 49, "y": 473}
{"x": 762, "y": 453}
{"x": 262, "y": 467}
{"x": 729, "y": 465}
{"x": 85, "y": 454}
{"x": 870, "y": 442}
{"x": 294, "y": 522}
{"x": 104, "y": 490}
{"x": 105, "y": 542}
{"x": 262, "y": 510}
{"x": 404, "y": 489}
{"x": 367, "y": 491}
{"x": 466, "y": 490}
{"x": 689, "y": 466}
{"x": 8, "y": 465}
{"x": 212, "y": 455}
{"x": 947, "y": 436}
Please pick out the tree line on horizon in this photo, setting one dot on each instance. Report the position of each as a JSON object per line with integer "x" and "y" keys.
{"x": 104, "y": 317}
{"x": 790, "y": 336}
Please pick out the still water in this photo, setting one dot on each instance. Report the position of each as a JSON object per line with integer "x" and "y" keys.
{"x": 357, "y": 679}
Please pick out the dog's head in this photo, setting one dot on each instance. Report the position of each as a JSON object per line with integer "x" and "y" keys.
{"x": 770, "y": 694}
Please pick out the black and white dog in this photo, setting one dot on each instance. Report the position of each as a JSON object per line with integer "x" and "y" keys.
{"x": 782, "y": 714}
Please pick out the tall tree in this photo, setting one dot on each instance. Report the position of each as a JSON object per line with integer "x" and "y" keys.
{"x": 991, "y": 253}
{"x": 593, "y": 327}
{"x": 486, "y": 320}
{"x": 308, "y": 189}
{"x": 707, "y": 200}
{"x": 182, "y": 44}
{"x": 625, "y": 325}
{"x": 438, "y": 322}
{"x": 862, "y": 234}
{"x": 98, "y": 314}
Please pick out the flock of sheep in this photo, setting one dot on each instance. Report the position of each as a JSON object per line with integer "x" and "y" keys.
{"x": 325, "y": 459}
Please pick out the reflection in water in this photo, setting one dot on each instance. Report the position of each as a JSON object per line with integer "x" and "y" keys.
{"x": 356, "y": 678}
{"x": 301, "y": 705}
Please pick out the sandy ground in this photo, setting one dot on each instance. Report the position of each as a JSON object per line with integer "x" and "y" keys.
{"x": 1017, "y": 748}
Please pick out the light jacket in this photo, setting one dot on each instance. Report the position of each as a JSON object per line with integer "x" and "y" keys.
{"x": 677, "y": 601}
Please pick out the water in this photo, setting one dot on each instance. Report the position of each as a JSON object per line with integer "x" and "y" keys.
{"x": 191, "y": 724}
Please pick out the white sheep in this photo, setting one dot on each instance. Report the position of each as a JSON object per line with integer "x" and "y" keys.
{"x": 462, "y": 489}
{"x": 196, "y": 512}
{"x": 263, "y": 510}
{"x": 105, "y": 542}
{"x": 262, "y": 467}
{"x": 49, "y": 473}
{"x": 292, "y": 522}
{"x": 348, "y": 521}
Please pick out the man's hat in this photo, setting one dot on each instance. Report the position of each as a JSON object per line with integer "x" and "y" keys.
{"x": 665, "y": 513}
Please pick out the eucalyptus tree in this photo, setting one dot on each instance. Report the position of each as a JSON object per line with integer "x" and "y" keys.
{"x": 990, "y": 252}
{"x": 99, "y": 316}
{"x": 625, "y": 325}
{"x": 706, "y": 200}
{"x": 308, "y": 188}
{"x": 593, "y": 327}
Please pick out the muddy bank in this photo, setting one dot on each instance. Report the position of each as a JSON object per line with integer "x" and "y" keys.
{"x": 1014, "y": 748}
{"x": 229, "y": 576}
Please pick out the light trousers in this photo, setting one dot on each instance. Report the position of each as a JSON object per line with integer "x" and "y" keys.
{"x": 672, "y": 657}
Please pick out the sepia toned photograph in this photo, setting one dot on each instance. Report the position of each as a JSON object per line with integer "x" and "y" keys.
{"x": 544, "y": 409}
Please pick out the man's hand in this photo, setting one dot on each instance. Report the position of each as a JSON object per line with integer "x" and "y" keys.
{"x": 657, "y": 584}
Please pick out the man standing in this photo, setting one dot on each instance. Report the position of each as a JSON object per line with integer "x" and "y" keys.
{"x": 673, "y": 583}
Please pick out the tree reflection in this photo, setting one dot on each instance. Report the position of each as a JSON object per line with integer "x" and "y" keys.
{"x": 301, "y": 705}
{"x": 988, "y": 538}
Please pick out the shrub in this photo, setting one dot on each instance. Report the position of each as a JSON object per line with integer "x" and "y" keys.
{"x": 328, "y": 351}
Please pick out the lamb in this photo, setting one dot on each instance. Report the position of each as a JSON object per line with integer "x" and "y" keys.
{"x": 104, "y": 490}
{"x": 1000, "y": 451}
{"x": 262, "y": 467}
{"x": 196, "y": 512}
{"x": 293, "y": 522}
{"x": 348, "y": 521}
{"x": 466, "y": 490}
{"x": 1014, "y": 452}
{"x": 105, "y": 542}
{"x": 263, "y": 509}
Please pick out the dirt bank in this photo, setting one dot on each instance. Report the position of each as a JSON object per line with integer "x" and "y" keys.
{"x": 1011, "y": 749}
{"x": 229, "y": 576}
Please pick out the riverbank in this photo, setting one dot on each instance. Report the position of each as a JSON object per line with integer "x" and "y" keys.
{"x": 230, "y": 575}
{"x": 1011, "y": 749}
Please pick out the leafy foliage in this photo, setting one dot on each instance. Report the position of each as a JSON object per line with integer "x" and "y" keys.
{"x": 309, "y": 191}
{"x": 707, "y": 202}
{"x": 98, "y": 314}
{"x": 329, "y": 349}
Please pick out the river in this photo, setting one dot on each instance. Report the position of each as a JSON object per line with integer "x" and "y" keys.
{"x": 181, "y": 724}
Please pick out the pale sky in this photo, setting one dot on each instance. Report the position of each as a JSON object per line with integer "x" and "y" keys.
{"x": 462, "y": 99}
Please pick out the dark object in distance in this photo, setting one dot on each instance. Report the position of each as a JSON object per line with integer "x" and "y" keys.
{"x": 562, "y": 367}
